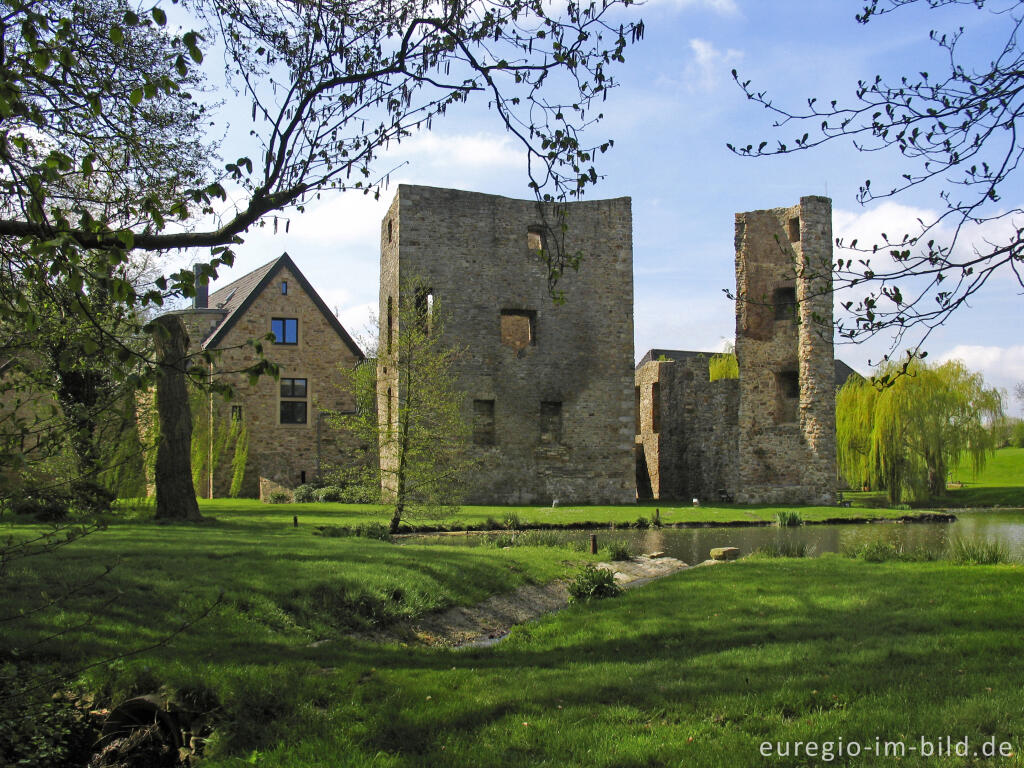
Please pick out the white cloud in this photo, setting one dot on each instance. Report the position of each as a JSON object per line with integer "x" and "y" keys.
{"x": 479, "y": 152}
{"x": 709, "y": 64}
{"x": 1001, "y": 366}
{"x": 722, "y": 7}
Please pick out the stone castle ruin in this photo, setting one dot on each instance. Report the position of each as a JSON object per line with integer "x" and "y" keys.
{"x": 548, "y": 386}
{"x": 558, "y": 410}
{"x": 767, "y": 437}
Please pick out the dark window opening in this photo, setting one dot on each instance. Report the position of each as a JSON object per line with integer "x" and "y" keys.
{"x": 284, "y": 287}
{"x": 788, "y": 401}
{"x": 483, "y": 422}
{"x": 551, "y": 422}
{"x": 389, "y": 230}
{"x": 302, "y": 477}
{"x": 293, "y": 387}
{"x": 391, "y": 326}
{"x": 424, "y": 303}
{"x": 389, "y": 412}
{"x": 285, "y": 330}
{"x": 535, "y": 239}
{"x": 518, "y": 328}
{"x": 236, "y": 413}
{"x": 656, "y": 407}
{"x": 794, "y": 229}
{"x": 784, "y": 301}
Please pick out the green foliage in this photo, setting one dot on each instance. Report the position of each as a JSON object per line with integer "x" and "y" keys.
{"x": 781, "y": 549}
{"x": 329, "y": 493}
{"x": 512, "y": 522}
{"x": 593, "y": 583}
{"x": 976, "y": 551}
{"x": 239, "y": 460}
{"x": 279, "y": 497}
{"x": 905, "y": 430}
{"x": 377, "y": 531}
{"x": 37, "y": 730}
{"x": 656, "y": 518}
{"x": 304, "y": 494}
{"x": 619, "y": 550}
{"x": 408, "y": 440}
{"x": 789, "y": 518}
{"x": 642, "y": 523}
{"x": 723, "y": 366}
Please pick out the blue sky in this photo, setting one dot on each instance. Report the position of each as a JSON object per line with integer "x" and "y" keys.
{"x": 675, "y": 109}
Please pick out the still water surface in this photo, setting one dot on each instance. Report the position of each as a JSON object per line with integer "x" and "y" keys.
{"x": 693, "y": 544}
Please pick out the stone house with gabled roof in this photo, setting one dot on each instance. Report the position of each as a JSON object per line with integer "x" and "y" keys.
{"x": 289, "y": 441}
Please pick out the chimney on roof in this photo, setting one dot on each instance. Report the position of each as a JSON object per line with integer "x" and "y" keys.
{"x": 202, "y": 298}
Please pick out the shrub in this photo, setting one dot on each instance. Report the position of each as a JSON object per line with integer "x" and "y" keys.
{"x": 503, "y": 540}
{"x": 977, "y": 552}
{"x": 619, "y": 550}
{"x": 593, "y": 583}
{"x": 39, "y": 731}
{"x": 377, "y": 531}
{"x": 332, "y": 531}
{"x": 278, "y": 497}
{"x": 789, "y": 518}
{"x": 656, "y": 519}
{"x": 304, "y": 494}
{"x": 642, "y": 523}
{"x": 782, "y": 549}
{"x": 512, "y": 521}
{"x": 1017, "y": 439}
{"x": 883, "y": 551}
{"x": 490, "y": 524}
{"x": 329, "y": 493}
{"x": 45, "y": 506}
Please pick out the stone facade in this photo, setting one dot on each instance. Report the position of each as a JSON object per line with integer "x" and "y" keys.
{"x": 549, "y": 387}
{"x": 289, "y": 441}
{"x": 688, "y": 450}
{"x": 769, "y": 436}
{"x": 787, "y": 451}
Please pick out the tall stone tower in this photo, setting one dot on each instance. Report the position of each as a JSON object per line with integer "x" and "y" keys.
{"x": 787, "y": 450}
{"x": 548, "y": 387}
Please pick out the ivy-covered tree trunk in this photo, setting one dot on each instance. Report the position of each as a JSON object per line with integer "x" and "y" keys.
{"x": 175, "y": 493}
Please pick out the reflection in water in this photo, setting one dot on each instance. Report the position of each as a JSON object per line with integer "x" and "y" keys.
{"x": 693, "y": 544}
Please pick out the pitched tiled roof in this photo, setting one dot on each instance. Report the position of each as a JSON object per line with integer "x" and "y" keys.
{"x": 237, "y": 296}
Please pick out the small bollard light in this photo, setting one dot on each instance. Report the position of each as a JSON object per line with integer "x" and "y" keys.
{"x": 696, "y": 502}
{"x": 295, "y": 521}
{"x": 593, "y": 543}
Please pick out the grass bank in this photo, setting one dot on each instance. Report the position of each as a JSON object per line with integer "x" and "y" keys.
{"x": 699, "y": 669}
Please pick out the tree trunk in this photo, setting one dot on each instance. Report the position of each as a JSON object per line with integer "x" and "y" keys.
{"x": 175, "y": 494}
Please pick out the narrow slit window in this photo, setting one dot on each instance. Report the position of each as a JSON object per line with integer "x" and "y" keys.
{"x": 535, "y": 239}
{"x": 794, "y": 229}
{"x": 636, "y": 407}
{"x": 284, "y": 287}
{"x": 236, "y": 413}
{"x": 656, "y": 407}
{"x": 784, "y": 302}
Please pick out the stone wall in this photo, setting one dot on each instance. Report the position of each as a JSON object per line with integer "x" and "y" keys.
{"x": 280, "y": 455}
{"x": 785, "y": 354}
{"x": 689, "y": 448}
{"x": 574, "y": 365}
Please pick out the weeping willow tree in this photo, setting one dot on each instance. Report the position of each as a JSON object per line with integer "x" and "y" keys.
{"x": 723, "y": 366}
{"x": 903, "y": 432}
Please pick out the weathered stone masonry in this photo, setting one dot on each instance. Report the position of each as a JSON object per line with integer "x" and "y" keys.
{"x": 785, "y": 354}
{"x": 552, "y": 385}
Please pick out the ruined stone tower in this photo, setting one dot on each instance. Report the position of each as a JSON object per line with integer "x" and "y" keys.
{"x": 784, "y": 348}
{"x": 548, "y": 387}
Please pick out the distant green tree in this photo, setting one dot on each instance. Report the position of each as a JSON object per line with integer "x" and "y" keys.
{"x": 407, "y": 441}
{"x": 903, "y": 430}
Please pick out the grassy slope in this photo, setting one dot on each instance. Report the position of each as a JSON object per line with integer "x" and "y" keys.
{"x": 695, "y": 670}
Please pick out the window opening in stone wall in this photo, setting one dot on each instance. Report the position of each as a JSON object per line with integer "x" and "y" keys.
{"x": 389, "y": 230}
{"x": 389, "y": 412}
{"x": 391, "y": 325}
{"x": 518, "y": 328}
{"x": 285, "y": 330}
{"x": 794, "y": 229}
{"x": 284, "y": 287}
{"x": 236, "y": 413}
{"x": 483, "y": 422}
{"x": 424, "y": 303}
{"x": 535, "y": 239}
{"x": 636, "y": 407}
{"x": 788, "y": 401}
{"x": 551, "y": 422}
{"x": 302, "y": 477}
{"x": 293, "y": 403}
{"x": 656, "y": 407}
{"x": 784, "y": 301}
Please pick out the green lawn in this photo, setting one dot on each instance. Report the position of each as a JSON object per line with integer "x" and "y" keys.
{"x": 250, "y": 512}
{"x": 698, "y": 669}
